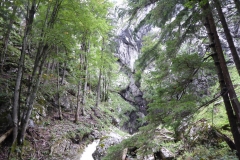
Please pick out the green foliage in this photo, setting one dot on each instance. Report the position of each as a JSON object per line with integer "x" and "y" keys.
{"x": 206, "y": 152}
{"x": 117, "y": 107}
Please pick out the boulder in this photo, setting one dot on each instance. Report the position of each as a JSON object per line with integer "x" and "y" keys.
{"x": 105, "y": 142}
{"x": 166, "y": 154}
{"x": 115, "y": 121}
{"x": 66, "y": 101}
{"x": 96, "y": 134}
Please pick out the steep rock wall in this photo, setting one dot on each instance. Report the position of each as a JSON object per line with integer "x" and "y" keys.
{"x": 128, "y": 48}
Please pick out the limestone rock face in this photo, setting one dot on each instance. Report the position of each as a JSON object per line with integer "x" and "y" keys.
{"x": 134, "y": 96}
{"x": 129, "y": 43}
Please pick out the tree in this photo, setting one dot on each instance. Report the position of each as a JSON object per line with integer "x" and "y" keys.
{"x": 98, "y": 97}
{"x": 213, "y": 37}
{"x": 79, "y": 89}
{"x": 31, "y": 10}
{"x": 228, "y": 35}
{"x": 44, "y": 32}
{"x": 41, "y": 55}
{"x": 227, "y": 79}
{"x": 58, "y": 90}
{"x": 180, "y": 25}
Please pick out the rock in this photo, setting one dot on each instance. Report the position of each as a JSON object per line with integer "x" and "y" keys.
{"x": 115, "y": 121}
{"x": 97, "y": 113}
{"x": 31, "y": 123}
{"x": 40, "y": 109}
{"x": 132, "y": 125}
{"x": 166, "y": 154}
{"x": 124, "y": 154}
{"x": 66, "y": 101}
{"x": 62, "y": 147}
{"x": 105, "y": 142}
{"x": 96, "y": 134}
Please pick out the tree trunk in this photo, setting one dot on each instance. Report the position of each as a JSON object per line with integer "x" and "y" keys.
{"x": 211, "y": 29}
{"x": 53, "y": 66}
{"x": 15, "y": 108}
{"x": 228, "y": 35}
{"x": 98, "y": 98}
{"x": 78, "y": 102}
{"x": 34, "y": 83}
{"x": 64, "y": 72}
{"x": 37, "y": 71}
{"x": 47, "y": 72}
{"x": 226, "y": 75}
{"x": 79, "y": 90}
{"x": 85, "y": 78}
{"x": 58, "y": 92}
{"x": 99, "y": 88}
{"x": 104, "y": 88}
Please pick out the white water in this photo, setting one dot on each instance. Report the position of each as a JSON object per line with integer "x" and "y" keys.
{"x": 88, "y": 151}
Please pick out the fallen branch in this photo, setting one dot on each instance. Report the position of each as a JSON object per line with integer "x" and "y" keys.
{"x": 5, "y": 135}
{"x": 230, "y": 143}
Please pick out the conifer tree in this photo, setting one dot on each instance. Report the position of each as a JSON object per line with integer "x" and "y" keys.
{"x": 228, "y": 35}
{"x": 176, "y": 27}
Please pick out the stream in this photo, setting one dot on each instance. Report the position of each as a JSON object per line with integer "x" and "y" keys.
{"x": 88, "y": 151}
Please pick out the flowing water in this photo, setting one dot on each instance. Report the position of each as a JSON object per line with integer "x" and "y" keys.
{"x": 88, "y": 151}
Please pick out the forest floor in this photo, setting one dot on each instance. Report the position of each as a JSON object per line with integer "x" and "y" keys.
{"x": 52, "y": 138}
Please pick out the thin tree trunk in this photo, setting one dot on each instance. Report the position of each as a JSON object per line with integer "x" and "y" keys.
{"x": 58, "y": 91}
{"x": 15, "y": 108}
{"x": 104, "y": 88}
{"x": 35, "y": 81}
{"x": 47, "y": 72}
{"x": 53, "y": 65}
{"x": 98, "y": 98}
{"x": 78, "y": 103}
{"x": 228, "y": 35}
{"x": 211, "y": 29}
{"x": 79, "y": 90}
{"x": 85, "y": 85}
{"x": 99, "y": 88}
{"x": 64, "y": 72}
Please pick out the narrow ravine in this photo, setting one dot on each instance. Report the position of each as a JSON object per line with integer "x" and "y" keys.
{"x": 88, "y": 151}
